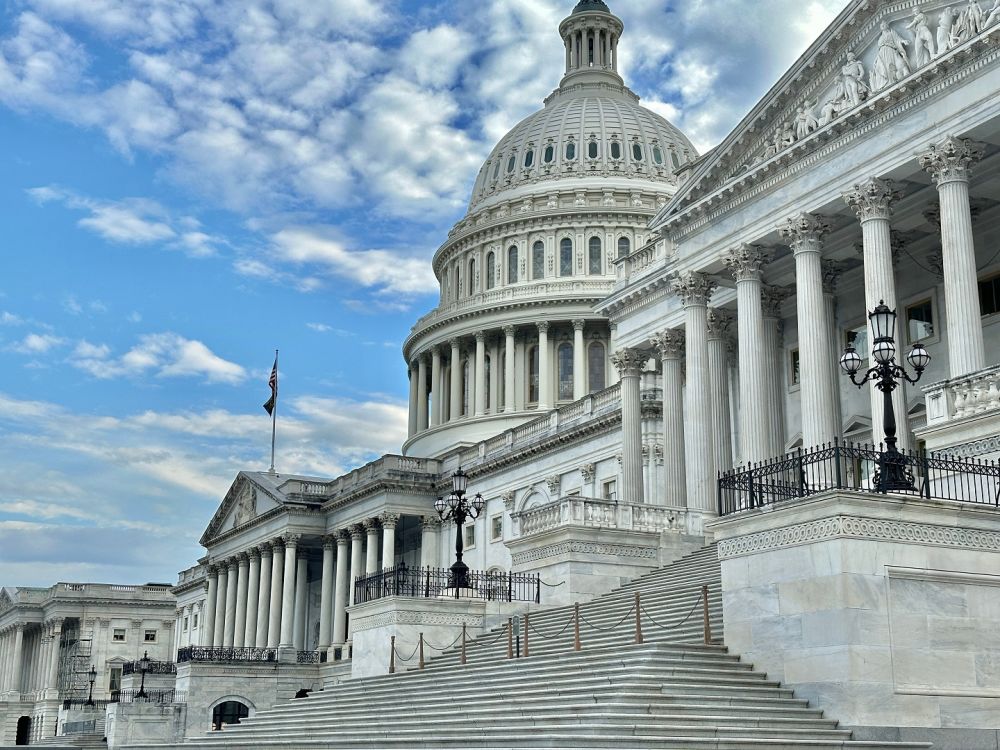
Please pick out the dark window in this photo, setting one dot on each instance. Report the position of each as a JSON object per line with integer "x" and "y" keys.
{"x": 566, "y": 257}
{"x": 538, "y": 260}
{"x": 657, "y": 155}
{"x": 595, "y": 264}
{"x": 550, "y": 153}
{"x": 989, "y": 295}
{"x": 529, "y": 158}
{"x": 624, "y": 247}
{"x": 571, "y": 150}
{"x": 592, "y": 149}
{"x": 512, "y": 264}
{"x": 616, "y": 150}
{"x": 472, "y": 277}
{"x": 673, "y": 158}
{"x": 637, "y": 152}
{"x": 793, "y": 365}
{"x": 595, "y": 367}
{"x": 229, "y": 712}
{"x": 533, "y": 375}
{"x": 511, "y": 163}
{"x": 496, "y": 170}
{"x": 565, "y": 357}
{"x": 491, "y": 270}
{"x": 466, "y": 386}
{"x": 920, "y": 321}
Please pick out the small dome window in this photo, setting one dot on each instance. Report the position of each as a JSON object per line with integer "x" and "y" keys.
{"x": 657, "y": 155}
{"x": 616, "y": 150}
{"x": 637, "y": 151}
{"x": 529, "y": 158}
{"x": 673, "y": 158}
{"x": 496, "y": 170}
{"x": 511, "y": 163}
{"x": 592, "y": 150}
{"x": 550, "y": 153}
{"x": 571, "y": 150}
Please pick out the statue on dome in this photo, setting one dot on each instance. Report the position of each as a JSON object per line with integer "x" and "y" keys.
{"x": 805, "y": 122}
{"x": 853, "y": 73}
{"x": 945, "y": 23}
{"x": 923, "y": 40}
{"x": 890, "y": 60}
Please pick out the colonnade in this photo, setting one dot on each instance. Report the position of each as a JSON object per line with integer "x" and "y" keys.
{"x": 692, "y": 451}
{"x": 30, "y": 658}
{"x": 593, "y": 46}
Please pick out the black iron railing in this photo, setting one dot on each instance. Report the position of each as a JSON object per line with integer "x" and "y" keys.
{"x": 155, "y": 667}
{"x": 435, "y": 582}
{"x": 307, "y": 657}
{"x": 96, "y": 705}
{"x": 161, "y": 697}
{"x": 857, "y": 468}
{"x": 204, "y": 653}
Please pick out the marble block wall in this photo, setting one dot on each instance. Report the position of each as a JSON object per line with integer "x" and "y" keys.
{"x": 882, "y": 611}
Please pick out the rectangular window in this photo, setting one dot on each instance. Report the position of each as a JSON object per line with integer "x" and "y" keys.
{"x": 989, "y": 295}
{"x": 185, "y": 623}
{"x": 115, "y": 680}
{"x": 470, "y": 535}
{"x": 793, "y": 367}
{"x": 118, "y": 635}
{"x": 920, "y": 321}
{"x": 496, "y": 528}
{"x": 149, "y": 636}
{"x": 609, "y": 489}
{"x": 195, "y": 625}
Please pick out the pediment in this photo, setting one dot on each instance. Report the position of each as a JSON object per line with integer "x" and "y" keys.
{"x": 245, "y": 500}
{"x": 857, "y": 424}
{"x": 871, "y": 51}
{"x": 5, "y": 600}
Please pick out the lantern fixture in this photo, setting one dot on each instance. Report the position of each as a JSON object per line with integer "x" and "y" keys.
{"x": 456, "y": 508}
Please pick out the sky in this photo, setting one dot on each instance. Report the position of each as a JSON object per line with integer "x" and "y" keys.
{"x": 187, "y": 185}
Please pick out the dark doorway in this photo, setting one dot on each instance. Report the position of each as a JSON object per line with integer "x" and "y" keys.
{"x": 23, "y": 731}
{"x": 229, "y": 712}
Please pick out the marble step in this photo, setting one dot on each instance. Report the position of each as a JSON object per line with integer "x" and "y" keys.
{"x": 562, "y": 740}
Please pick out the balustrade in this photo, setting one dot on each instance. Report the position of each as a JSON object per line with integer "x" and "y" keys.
{"x": 576, "y": 510}
{"x": 966, "y": 396}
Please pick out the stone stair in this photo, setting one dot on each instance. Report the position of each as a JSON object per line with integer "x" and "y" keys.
{"x": 89, "y": 741}
{"x": 672, "y": 692}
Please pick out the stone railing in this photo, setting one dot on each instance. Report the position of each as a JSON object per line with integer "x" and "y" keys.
{"x": 387, "y": 466}
{"x": 642, "y": 262}
{"x": 589, "y": 512}
{"x": 966, "y": 396}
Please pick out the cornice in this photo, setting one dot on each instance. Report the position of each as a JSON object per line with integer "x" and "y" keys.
{"x": 649, "y": 290}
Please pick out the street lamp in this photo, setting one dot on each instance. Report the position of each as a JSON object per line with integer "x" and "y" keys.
{"x": 93, "y": 678}
{"x": 143, "y": 668}
{"x": 886, "y": 375}
{"x": 456, "y": 508}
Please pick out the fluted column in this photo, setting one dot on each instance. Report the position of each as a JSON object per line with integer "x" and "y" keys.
{"x": 480, "y": 373}
{"x": 579, "y": 361}
{"x": 421, "y": 393}
{"x": 326, "y": 593}
{"x": 242, "y": 586}
{"x": 341, "y": 592}
{"x": 455, "y": 410}
{"x": 412, "y": 425}
{"x": 745, "y": 263}
{"x": 437, "y": 403}
{"x": 211, "y": 602}
{"x": 832, "y": 270}
{"x": 253, "y": 595}
{"x": 694, "y": 290}
{"x": 371, "y": 545}
{"x": 804, "y": 234}
{"x": 357, "y": 556}
{"x": 508, "y": 370}
{"x": 264, "y": 595}
{"x": 17, "y": 662}
{"x": 774, "y": 360}
{"x": 670, "y": 346}
{"x": 232, "y": 588}
{"x": 274, "y": 619}
{"x": 288, "y": 592}
{"x": 429, "y": 526}
{"x": 630, "y": 364}
{"x": 719, "y": 324}
{"x": 219, "y": 634}
{"x": 950, "y": 164}
{"x": 872, "y": 202}
{"x": 544, "y": 368}
{"x": 52, "y": 681}
{"x": 389, "y": 521}
{"x": 301, "y": 584}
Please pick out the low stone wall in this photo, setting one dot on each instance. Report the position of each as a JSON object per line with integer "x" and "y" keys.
{"x": 144, "y": 723}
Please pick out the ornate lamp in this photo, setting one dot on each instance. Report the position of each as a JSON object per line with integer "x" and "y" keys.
{"x": 143, "y": 668}
{"x": 93, "y": 678}
{"x": 456, "y": 508}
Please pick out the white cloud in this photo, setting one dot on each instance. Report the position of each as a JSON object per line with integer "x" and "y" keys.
{"x": 10, "y": 319}
{"x": 38, "y": 343}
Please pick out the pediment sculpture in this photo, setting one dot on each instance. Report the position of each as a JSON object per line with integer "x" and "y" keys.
{"x": 246, "y": 506}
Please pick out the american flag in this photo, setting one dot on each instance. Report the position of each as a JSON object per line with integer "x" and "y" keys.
{"x": 273, "y": 382}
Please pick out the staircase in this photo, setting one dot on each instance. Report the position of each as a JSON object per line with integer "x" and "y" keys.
{"x": 672, "y": 692}
{"x": 89, "y": 741}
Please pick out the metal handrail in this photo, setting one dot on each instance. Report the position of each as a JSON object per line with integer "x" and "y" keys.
{"x": 430, "y": 583}
{"x": 206, "y": 654}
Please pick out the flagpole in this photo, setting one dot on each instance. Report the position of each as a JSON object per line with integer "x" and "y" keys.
{"x": 274, "y": 413}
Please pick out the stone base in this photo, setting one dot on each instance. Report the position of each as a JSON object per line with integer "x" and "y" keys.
{"x": 942, "y": 739}
{"x": 144, "y": 723}
{"x": 882, "y": 610}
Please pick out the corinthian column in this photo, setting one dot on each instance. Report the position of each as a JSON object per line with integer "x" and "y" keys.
{"x": 437, "y": 403}
{"x": 805, "y": 234}
{"x": 389, "y": 521}
{"x": 357, "y": 559}
{"x": 508, "y": 370}
{"x": 872, "y": 202}
{"x": 719, "y": 323}
{"x": 52, "y": 678}
{"x": 579, "y": 361}
{"x": 429, "y": 526}
{"x": 670, "y": 345}
{"x": 630, "y": 364}
{"x": 694, "y": 290}
{"x": 455, "y": 407}
{"x": 342, "y": 591}
{"x": 774, "y": 363}
{"x": 756, "y": 366}
{"x": 288, "y": 592}
{"x": 253, "y": 592}
{"x": 242, "y": 580}
{"x": 211, "y": 602}
{"x": 219, "y": 635}
{"x": 544, "y": 368}
{"x": 264, "y": 595}
{"x": 326, "y": 594}
{"x": 371, "y": 546}
{"x": 480, "y": 399}
{"x": 229, "y": 631}
{"x": 950, "y": 164}
{"x": 17, "y": 660}
{"x": 412, "y": 425}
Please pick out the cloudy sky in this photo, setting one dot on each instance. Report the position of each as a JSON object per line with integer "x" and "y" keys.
{"x": 186, "y": 185}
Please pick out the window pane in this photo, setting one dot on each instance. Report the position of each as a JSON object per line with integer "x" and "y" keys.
{"x": 538, "y": 261}
{"x": 512, "y": 265}
{"x": 624, "y": 247}
{"x": 466, "y": 386}
{"x": 673, "y": 158}
{"x": 571, "y": 150}
{"x": 472, "y": 276}
{"x": 496, "y": 170}
{"x": 566, "y": 257}
{"x": 794, "y": 369}
{"x": 487, "y": 364}
{"x": 592, "y": 149}
{"x": 550, "y": 154}
{"x": 511, "y": 163}
{"x": 637, "y": 152}
{"x": 565, "y": 371}
{"x": 920, "y": 321}
{"x": 533, "y": 375}
{"x": 989, "y": 296}
{"x": 616, "y": 150}
{"x": 595, "y": 265}
{"x": 529, "y": 158}
{"x": 657, "y": 155}
{"x": 595, "y": 367}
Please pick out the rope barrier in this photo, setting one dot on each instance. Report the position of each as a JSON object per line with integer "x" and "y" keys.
{"x": 627, "y": 615}
{"x": 551, "y": 585}
{"x": 442, "y": 650}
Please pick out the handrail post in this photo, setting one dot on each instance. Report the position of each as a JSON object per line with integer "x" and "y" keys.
{"x": 707, "y": 621}
{"x": 421, "y": 664}
{"x": 526, "y": 634}
{"x": 801, "y": 473}
{"x": 638, "y": 620}
{"x": 463, "y": 643}
{"x": 576, "y": 626}
{"x": 392, "y": 654}
{"x": 538, "y": 588}
{"x": 510, "y": 638}
{"x": 427, "y": 583}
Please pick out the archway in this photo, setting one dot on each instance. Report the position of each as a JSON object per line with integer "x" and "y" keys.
{"x": 228, "y": 712}
{"x": 23, "y": 731}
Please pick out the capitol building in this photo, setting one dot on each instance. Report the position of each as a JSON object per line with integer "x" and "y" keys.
{"x": 685, "y": 523}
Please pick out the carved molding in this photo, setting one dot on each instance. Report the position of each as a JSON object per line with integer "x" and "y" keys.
{"x": 951, "y": 160}
{"x": 805, "y": 232}
{"x": 694, "y": 288}
{"x": 588, "y": 548}
{"x": 719, "y": 323}
{"x": 872, "y": 199}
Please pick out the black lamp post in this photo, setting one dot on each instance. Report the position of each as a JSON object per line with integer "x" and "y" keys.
{"x": 93, "y": 678}
{"x": 456, "y": 508}
{"x": 143, "y": 668}
{"x": 886, "y": 374}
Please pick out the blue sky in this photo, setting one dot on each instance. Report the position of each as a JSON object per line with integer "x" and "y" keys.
{"x": 186, "y": 185}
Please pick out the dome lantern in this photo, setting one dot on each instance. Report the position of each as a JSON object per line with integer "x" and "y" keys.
{"x": 590, "y": 36}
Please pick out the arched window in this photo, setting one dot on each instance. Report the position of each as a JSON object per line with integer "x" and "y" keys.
{"x": 592, "y": 150}
{"x": 595, "y": 367}
{"x": 570, "y": 150}
{"x": 566, "y": 257}
{"x": 636, "y": 151}
{"x": 565, "y": 361}
{"x": 616, "y": 150}
{"x": 511, "y": 163}
{"x": 228, "y": 712}
{"x": 538, "y": 260}
{"x": 472, "y": 276}
{"x": 512, "y": 264}
{"x": 674, "y": 160}
{"x": 533, "y": 375}
{"x": 466, "y": 385}
{"x": 595, "y": 262}
{"x": 550, "y": 153}
{"x": 491, "y": 270}
{"x": 496, "y": 170}
{"x": 657, "y": 155}
{"x": 529, "y": 158}
{"x": 624, "y": 247}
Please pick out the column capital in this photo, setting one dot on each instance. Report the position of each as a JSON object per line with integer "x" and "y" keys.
{"x": 772, "y": 298}
{"x": 254, "y": 554}
{"x": 455, "y": 343}
{"x": 578, "y": 324}
{"x": 343, "y": 537}
{"x": 329, "y": 541}
{"x": 746, "y": 262}
{"x": 480, "y": 337}
{"x": 804, "y": 232}
{"x": 265, "y": 549}
{"x": 291, "y": 540}
{"x": 242, "y": 559}
{"x": 370, "y": 525}
{"x": 694, "y": 288}
{"x": 872, "y": 199}
{"x": 629, "y": 362}
{"x": 509, "y": 330}
{"x": 587, "y": 472}
{"x": 719, "y": 323}
{"x": 430, "y": 522}
{"x": 357, "y": 531}
{"x": 232, "y": 563}
{"x": 669, "y": 343}
{"x": 951, "y": 160}
{"x": 508, "y": 498}
{"x": 56, "y": 623}
{"x": 543, "y": 327}
{"x": 389, "y": 520}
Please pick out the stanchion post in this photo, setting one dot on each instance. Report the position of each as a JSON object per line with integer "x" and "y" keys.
{"x": 638, "y": 620}
{"x": 510, "y": 638}
{"x": 576, "y": 626}
{"x": 421, "y": 664}
{"x": 704, "y": 606}
{"x": 525, "y": 635}
{"x": 392, "y": 655}
{"x": 463, "y": 643}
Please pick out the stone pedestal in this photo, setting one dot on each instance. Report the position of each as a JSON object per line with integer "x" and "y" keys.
{"x": 144, "y": 723}
{"x": 881, "y": 610}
